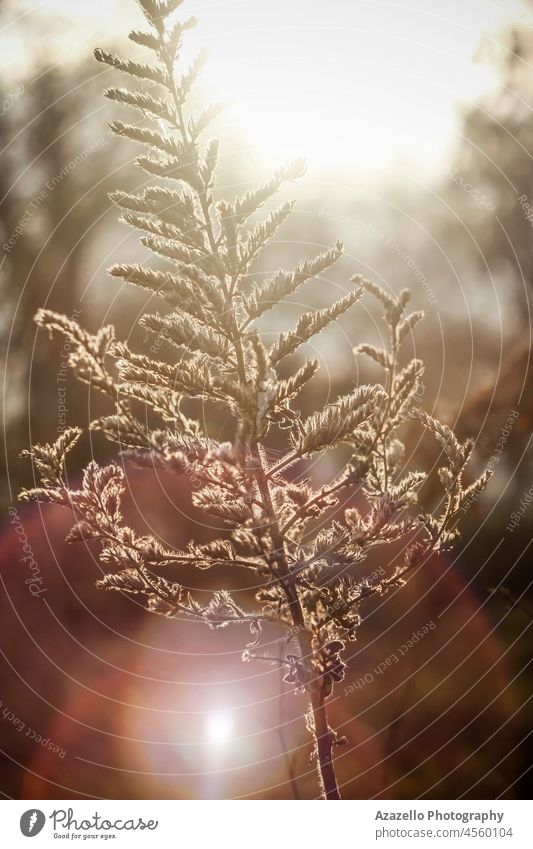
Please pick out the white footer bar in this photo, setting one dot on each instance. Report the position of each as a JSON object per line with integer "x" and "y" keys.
{"x": 266, "y": 825}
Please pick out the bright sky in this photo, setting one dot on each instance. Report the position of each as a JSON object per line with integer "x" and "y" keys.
{"x": 363, "y": 83}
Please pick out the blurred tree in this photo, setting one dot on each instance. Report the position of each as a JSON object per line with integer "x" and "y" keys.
{"x": 55, "y": 149}
{"x": 496, "y": 157}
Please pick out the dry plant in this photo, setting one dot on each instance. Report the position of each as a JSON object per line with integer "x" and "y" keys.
{"x": 301, "y": 549}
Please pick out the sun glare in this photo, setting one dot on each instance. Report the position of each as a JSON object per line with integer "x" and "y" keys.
{"x": 219, "y": 727}
{"x": 350, "y": 83}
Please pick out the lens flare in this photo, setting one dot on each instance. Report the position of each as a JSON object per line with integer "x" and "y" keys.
{"x": 219, "y": 727}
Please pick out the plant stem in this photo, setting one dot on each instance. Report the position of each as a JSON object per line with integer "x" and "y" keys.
{"x": 281, "y": 732}
{"x": 322, "y": 733}
{"x": 324, "y": 741}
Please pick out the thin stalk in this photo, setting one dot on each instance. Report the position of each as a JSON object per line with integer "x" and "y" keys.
{"x": 281, "y": 733}
{"x": 324, "y": 743}
{"x": 322, "y": 733}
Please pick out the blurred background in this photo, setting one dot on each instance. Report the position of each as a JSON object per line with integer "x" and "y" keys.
{"x": 417, "y": 126}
